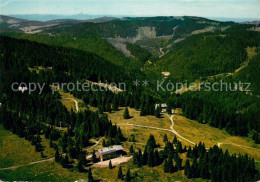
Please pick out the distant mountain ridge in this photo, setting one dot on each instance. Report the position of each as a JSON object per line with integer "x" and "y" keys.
{"x": 42, "y": 17}
{"x": 33, "y": 26}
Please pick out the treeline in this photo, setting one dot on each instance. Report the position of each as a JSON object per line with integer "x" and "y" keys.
{"x": 108, "y": 101}
{"x": 217, "y": 165}
{"x": 237, "y": 112}
{"x": 152, "y": 157}
{"x": 256, "y": 137}
{"x": 203, "y": 163}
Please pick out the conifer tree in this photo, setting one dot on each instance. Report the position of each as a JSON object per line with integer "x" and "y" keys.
{"x": 145, "y": 157}
{"x": 114, "y": 105}
{"x": 120, "y": 173}
{"x": 135, "y": 159}
{"x": 151, "y": 143}
{"x": 100, "y": 109}
{"x": 108, "y": 107}
{"x": 179, "y": 147}
{"x": 128, "y": 176}
{"x": 65, "y": 161}
{"x": 143, "y": 112}
{"x": 57, "y": 156}
{"x": 139, "y": 158}
{"x": 165, "y": 138}
{"x": 80, "y": 165}
{"x": 170, "y": 165}
{"x": 203, "y": 167}
{"x": 94, "y": 158}
{"x": 157, "y": 112}
{"x": 156, "y": 157}
{"x": 126, "y": 113}
{"x": 194, "y": 168}
{"x": 166, "y": 166}
{"x": 131, "y": 149}
{"x": 150, "y": 161}
{"x": 90, "y": 176}
{"x": 178, "y": 163}
{"x": 187, "y": 169}
{"x": 174, "y": 140}
{"x": 110, "y": 165}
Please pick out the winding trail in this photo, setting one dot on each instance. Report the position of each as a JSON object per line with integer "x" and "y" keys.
{"x": 161, "y": 52}
{"x": 162, "y": 129}
{"x": 175, "y": 132}
{"x": 183, "y": 138}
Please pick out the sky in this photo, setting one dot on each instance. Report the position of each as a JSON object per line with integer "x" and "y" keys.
{"x": 203, "y": 8}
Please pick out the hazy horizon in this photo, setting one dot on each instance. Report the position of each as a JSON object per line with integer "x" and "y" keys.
{"x": 232, "y": 9}
{"x": 49, "y": 17}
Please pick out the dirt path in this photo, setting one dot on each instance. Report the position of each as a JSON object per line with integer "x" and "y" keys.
{"x": 93, "y": 146}
{"x": 36, "y": 162}
{"x": 143, "y": 126}
{"x": 178, "y": 135}
{"x": 161, "y": 52}
{"x": 175, "y": 132}
{"x": 76, "y": 103}
{"x": 162, "y": 129}
{"x": 41, "y": 161}
{"x": 219, "y": 145}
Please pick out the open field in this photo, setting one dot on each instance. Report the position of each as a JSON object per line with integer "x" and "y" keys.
{"x": 117, "y": 118}
{"x": 197, "y": 132}
{"x": 18, "y": 151}
{"x": 142, "y": 135}
{"x": 68, "y": 100}
{"x": 189, "y": 129}
{"x": 48, "y": 171}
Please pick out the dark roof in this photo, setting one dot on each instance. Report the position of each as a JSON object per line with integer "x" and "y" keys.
{"x": 111, "y": 149}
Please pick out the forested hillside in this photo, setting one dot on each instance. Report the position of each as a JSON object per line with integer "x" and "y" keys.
{"x": 213, "y": 164}
{"x": 169, "y": 49}
{"x": 206, "y": 55}
{"x": 127, "y": 27}
{"x": 93, "y": 44}
{"x": 30, "y": 115}
{"x": 236, "y": 112}
{"x": 251, "y": 74}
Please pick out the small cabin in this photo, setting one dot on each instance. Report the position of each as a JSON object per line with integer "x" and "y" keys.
{"x": 163, "y": 106}
{"x": 110, "y": 152}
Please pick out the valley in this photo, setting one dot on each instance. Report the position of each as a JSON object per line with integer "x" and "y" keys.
{"x": 181, "y": 135}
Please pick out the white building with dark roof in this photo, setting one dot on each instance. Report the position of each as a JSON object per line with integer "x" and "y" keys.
{"x": 163, "y": 106}
{"x": 109, "y": 152}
